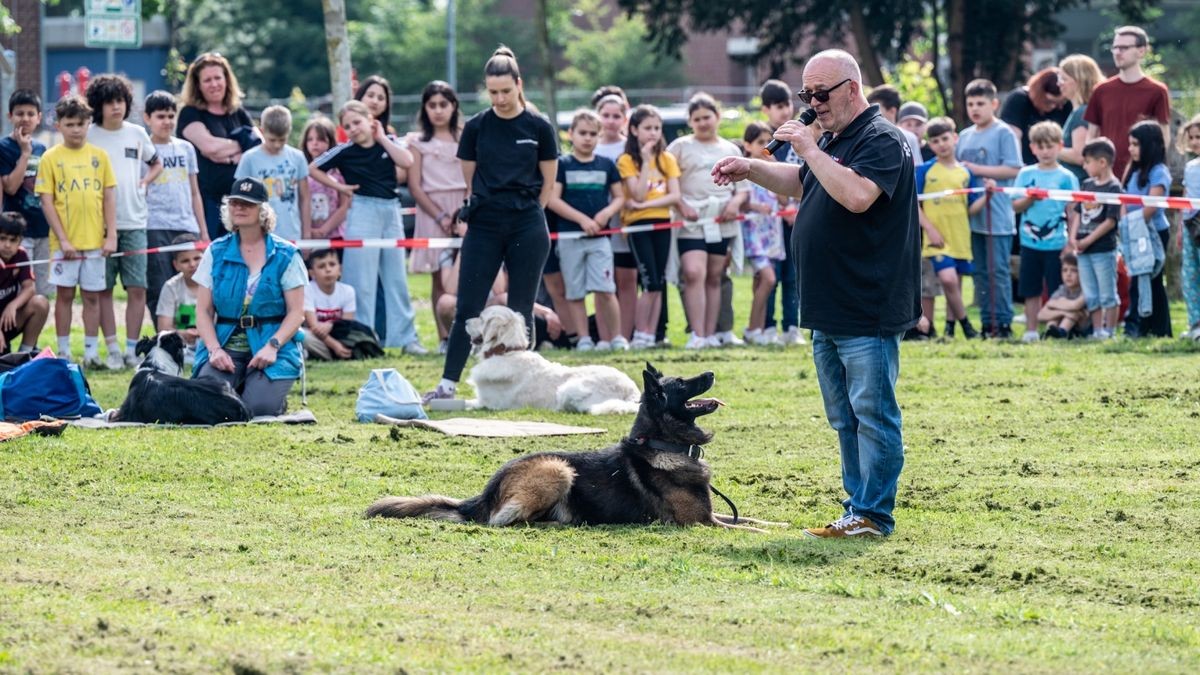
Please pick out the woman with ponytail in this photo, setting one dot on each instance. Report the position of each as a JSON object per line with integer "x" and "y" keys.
{"x": 509, "y": 161}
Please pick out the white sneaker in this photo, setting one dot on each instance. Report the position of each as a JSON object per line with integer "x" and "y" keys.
{"x": 604, "y": 346}
{"x": 752, "y": 336}
{"x": 1030, "y": 336}
{"x": 713, "y": 341}
{"x": 415, "y": 348}
{"x": 132, "y": 360}
{"x": 585, "y": 344}
{"x": 726, "y": 338}
{"x": 115, "y": 361}
{"x": 696, "y": 342}
{"x": 793, "y": 336}
{"x": 770, "y": 335}
{"x": 641, "y": 341}
{"x": 620, "y": 344}
{"x": 93, "y": 363}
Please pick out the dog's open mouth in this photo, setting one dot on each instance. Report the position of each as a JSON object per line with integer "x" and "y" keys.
{"x": 703, "y": 406}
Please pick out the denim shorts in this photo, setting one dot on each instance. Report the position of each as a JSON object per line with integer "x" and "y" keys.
{"x": 1098, "y": 276}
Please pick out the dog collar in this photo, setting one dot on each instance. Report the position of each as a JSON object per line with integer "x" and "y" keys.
{"x": 693, "y": 451}
{"x": 501, "y": 350}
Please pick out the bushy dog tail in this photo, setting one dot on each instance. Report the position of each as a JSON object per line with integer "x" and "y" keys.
{"x": 436, "y": 507}
{"x": 615, "y": 407}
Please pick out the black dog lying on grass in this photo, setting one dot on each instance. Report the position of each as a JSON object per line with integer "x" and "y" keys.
{"x": 653, "y": 475}
{"x": 158, "y": 395}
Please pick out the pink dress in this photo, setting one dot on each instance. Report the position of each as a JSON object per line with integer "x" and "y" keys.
{"x": 324, "y": 201}
{"x": 442, "y": 181}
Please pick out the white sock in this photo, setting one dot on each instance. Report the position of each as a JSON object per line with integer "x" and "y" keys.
{"x": 114, "y": 347}
{"x": 26, "y": 348}
{"x": 130, "y": 345}
{"x": 448, "y": 385}
{"x": 64, "y": 346}
{"x": 91, "y": 346}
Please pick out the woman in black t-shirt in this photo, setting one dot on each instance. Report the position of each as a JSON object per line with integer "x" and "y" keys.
{"x": 1041, "y": 99}
{"x": 509, "y": 159}
{"x": 213, "y": 120}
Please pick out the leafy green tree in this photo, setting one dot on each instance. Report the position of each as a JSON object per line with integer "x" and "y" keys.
{"x": 983, "y": 38}
{"x": 605, "y": 49}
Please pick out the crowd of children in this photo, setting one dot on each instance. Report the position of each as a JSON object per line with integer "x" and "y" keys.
{"x": 110, "y": 186}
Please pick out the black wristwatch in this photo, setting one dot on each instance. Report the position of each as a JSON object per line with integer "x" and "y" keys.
{"x": 274, "y": 342}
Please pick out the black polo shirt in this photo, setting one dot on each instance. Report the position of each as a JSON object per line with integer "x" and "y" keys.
{"x": 860, "y": 273}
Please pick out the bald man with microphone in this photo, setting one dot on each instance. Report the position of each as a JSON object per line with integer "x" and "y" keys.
{"x": 857, "y": 244}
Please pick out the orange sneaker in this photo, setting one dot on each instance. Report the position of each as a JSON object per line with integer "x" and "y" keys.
{"x": 846, "y": 526}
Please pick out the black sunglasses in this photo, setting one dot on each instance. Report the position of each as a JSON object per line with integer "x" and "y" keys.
{"x": 822, "y": 95}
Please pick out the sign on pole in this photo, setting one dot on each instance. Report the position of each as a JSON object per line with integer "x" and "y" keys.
{"x": 113, "y": 23}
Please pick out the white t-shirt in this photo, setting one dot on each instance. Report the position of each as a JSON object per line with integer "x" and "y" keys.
{"x": 613, "y": 151}
{"x": 696, "y": 160}
{"x": 174, "y": 296}
{"x": 131, "y": 152}
{"x": 169, "y": 197}
{"x": 329, "y": 306}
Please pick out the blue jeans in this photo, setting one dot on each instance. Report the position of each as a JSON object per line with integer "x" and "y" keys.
{"x": 1098, "y": 277}
{"x": 858, "y": 385}
{"x": 993, "y": 273}
{"x": 364, "y": 268}
{"x": 785, "y": 276}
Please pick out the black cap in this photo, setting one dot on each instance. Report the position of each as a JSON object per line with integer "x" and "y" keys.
{"x": 249, "y": 190}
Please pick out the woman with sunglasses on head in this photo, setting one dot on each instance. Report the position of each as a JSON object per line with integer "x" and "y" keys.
{"x": 509, "y": 162}
{"x": 213, "y": 120}
{"x": 1041, "y": 99}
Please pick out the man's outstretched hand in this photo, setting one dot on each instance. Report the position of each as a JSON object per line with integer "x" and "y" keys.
{"x": 730, "y": 170}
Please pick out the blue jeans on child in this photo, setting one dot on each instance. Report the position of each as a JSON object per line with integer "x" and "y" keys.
{"x": 858, "y": 384}
{"x": 785, "y": 277}
{"x": 993, "y": 272}
{"x": 364, "y": 268}
{"x": 1098, "y": 277}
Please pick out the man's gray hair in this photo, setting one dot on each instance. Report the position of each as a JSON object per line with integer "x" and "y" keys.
{"x": 846, "y": 64}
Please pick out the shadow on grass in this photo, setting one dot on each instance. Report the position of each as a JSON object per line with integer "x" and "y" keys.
{"x": 798, "y": 550}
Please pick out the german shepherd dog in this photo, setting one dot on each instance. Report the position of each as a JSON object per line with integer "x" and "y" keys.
{"x": 655, "y": 474}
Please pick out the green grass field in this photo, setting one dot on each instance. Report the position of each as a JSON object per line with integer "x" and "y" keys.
{"x": 1047, "y": 521}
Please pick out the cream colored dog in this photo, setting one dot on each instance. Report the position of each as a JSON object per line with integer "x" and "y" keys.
{"x": 508, "y": 375}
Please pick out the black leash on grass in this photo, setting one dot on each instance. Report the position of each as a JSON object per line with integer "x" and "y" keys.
{"x": 728, "y": 501}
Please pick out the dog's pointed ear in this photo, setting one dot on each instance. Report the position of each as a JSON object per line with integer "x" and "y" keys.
{"x": 650, "y": 383}
{"x": 144, "y": 346}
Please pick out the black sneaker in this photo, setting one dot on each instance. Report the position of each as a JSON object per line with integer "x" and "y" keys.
{"x": 969, "y": 331}
{"x": 1005, "y": 332}
{"x": 949, "y": 332}
{"x": 1054, "y": 332}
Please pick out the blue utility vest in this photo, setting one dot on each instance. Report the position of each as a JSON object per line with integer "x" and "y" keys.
{"x": 229, "y": 278}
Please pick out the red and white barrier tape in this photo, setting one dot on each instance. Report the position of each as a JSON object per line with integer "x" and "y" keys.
{"x": 1113, "y": 198}
{"x": 455, "y": 242}
{"x": 427, "y": 243}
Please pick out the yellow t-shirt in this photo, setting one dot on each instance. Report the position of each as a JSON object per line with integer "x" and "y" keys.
{"x": 948, "y": 214}
{"x": 77, "y": 179}
{"x": 658, "y": 186}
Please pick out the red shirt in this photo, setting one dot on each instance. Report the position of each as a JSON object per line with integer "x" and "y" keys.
{"x": 11, "y": 278}
{"x": 1116, "y": 106}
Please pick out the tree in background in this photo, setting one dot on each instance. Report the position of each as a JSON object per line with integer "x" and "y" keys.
{"x": 982, "y": 38}
{"x": 605, "y": 49}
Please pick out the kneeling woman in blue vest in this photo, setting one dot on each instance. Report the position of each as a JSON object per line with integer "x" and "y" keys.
{"x": 250, "y": 303}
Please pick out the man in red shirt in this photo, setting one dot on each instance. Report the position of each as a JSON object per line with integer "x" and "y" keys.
{"x": 1128, "y": 97}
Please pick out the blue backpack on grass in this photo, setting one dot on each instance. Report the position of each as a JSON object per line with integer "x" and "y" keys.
{"x": 52, "y": 387}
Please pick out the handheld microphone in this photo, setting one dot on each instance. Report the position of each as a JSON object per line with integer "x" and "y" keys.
{"x": 806, "y": 118}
